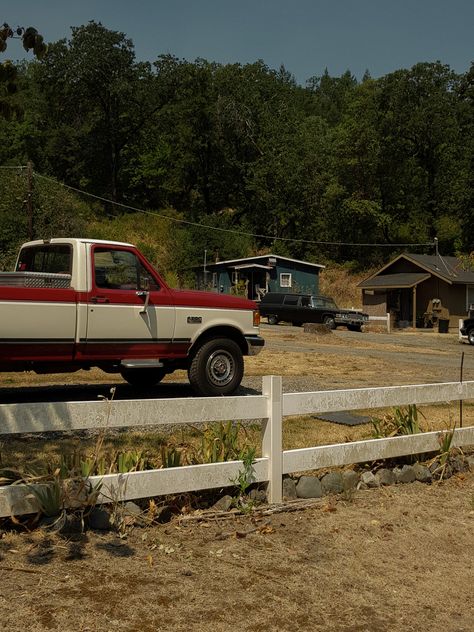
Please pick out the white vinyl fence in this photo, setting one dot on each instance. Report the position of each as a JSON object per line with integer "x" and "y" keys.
{"x": 271, "y": 407}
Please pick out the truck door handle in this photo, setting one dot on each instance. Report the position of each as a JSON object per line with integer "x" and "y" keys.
{"x": 99, "y": 299}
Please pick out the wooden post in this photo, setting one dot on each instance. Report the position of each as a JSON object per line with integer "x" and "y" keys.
{"x": 414, "y": 307}
{"x": 271, "y": 440}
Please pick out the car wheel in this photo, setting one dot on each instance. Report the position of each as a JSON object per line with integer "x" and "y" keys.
{"x": 216, "y": 368}
{"x": 143, "y": 378}
{"x": 329, "y": 322}
{"x": 272, "y": 319}
{"x": 354, "y": 327}
{"x": 470, "y": 336}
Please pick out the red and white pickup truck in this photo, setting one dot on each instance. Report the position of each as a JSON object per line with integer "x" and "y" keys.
{"x": 79, "y": 303}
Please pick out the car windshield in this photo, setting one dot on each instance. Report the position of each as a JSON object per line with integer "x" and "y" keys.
{"x": 320, "y": 302}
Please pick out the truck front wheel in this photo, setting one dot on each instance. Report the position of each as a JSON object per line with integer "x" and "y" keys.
{"x": 216, "y": 368}
{"x": 143, "y": 378}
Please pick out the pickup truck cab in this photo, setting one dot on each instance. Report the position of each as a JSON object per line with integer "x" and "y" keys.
{"x": 305, "y": 308}
{"x": 79, "y": 303}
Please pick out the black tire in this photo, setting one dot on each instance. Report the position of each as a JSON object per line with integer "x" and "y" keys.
{"x": 470, "y": 336}
{"x": 272, "y": 319}
{"x": 354, "y": 327}
{"x": 329, "y": 322}
{"x": 216, "y": 368}
{"x": 143, "y": 378}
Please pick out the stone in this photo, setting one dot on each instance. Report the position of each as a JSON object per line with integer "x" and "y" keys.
{"x": 163, "y": 514}
{"x": 309, "y": 487}
{"x": 332, "y": 483}
{"x": 257, "y": 495}
{"x": 422, "y": 473}
{"x": 350, "y": 480}
{"x": 458, "y": 463}
{"x": 385, "y": 476}
{"x": 470, "y": 462}
{"x": 316, "y": 328}
{"x": 406, "y": 474}
{"x": 223, "y": 504}
{"x": 289, "y": 488}
{"x": 367, "y": 479}
{"x": 132, "y": 509}
{"x": 99, "y": 519}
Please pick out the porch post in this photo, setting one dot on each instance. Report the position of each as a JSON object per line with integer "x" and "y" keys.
{"x": 414, "y": 306}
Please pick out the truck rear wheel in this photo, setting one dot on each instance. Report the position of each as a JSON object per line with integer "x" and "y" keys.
{"x": 470, "y": 336}
{"x": 143, "y": 378}
{"x": 217, "y": 368}
{"x": 272, "y": 319}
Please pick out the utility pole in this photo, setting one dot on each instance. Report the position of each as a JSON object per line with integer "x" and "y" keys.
{"x": 29, "y": 200}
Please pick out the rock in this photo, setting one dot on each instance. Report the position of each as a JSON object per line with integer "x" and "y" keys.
{"x": 132, "y": 509}
{"x": 316, "y": 328}
{"x": 350, "y": 480}
{"x": 385, "y": 476}
{"x": 458, "y": 463}
{"x": 309, "y": 487}
{"x": 332, "y": 483}
{"x": 289, "y": 488}
{"x": 223, "y": 504}
{"x": 422, "y": 473}
{"x": 163, "y": 514}
{"x": 99, "y": 519}
{"x": 470, "y": 462}
{"x": 368, "y": 479}
{"x": 406, "y": 474}
{"x": 258, "y": 495}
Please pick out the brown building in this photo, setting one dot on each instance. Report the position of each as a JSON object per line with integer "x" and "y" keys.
{"x": 418, "y": 290}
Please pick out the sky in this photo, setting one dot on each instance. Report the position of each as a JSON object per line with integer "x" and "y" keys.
{"x": 306, "y": 36}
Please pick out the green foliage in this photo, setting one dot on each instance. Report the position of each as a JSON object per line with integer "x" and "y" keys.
{"x": 238, "y": 148}
{"x": 220, "y": 442}
{"x": 402, "y": 421}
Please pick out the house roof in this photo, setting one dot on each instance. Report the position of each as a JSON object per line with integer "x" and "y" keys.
{"x": 249, "y": 260}
{"x": 394, "y": 280}
{"x": 448, "y": 269}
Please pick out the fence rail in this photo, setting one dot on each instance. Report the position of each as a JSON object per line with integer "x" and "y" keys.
{"x": 270, "y": 407}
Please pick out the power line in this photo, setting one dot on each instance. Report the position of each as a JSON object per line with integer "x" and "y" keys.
{"x": 229, "y": 230}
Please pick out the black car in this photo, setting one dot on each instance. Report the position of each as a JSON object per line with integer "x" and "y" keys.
{"x": 305, "y": 308}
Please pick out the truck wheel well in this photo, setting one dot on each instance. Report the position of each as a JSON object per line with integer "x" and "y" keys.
{"x": 220, "y": 332}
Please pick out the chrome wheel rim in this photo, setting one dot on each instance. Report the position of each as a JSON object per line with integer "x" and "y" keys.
{"x": 220, "y": 367}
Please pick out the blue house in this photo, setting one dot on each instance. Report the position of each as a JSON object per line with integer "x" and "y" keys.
{"x": 255, "y": 276}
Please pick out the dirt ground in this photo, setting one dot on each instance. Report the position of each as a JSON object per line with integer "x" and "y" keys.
{"x": 390, "y": 559}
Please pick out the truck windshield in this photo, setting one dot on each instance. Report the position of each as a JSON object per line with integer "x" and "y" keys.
{"x": 49, "y": 258}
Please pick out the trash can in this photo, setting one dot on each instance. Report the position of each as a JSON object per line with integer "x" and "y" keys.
{"x": 443, "y": 325}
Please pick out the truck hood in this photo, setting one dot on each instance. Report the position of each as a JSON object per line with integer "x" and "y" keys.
{"x": 211, "y": 299}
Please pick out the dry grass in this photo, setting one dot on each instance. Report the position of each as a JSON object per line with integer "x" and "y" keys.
{"x": 341, "y": 285}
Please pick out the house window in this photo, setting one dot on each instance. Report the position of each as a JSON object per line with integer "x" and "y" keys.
{"x": 285, "y": 279}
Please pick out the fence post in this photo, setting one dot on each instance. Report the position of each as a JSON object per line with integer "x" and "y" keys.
{"x": 271, "y": 440}
{"x": 388, "y": 322}
{"x": 460, "y": 324}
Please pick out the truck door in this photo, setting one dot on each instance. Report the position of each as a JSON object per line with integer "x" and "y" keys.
{"x": 129, "y": 314}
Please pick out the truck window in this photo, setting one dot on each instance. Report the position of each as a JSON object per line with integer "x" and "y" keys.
{"x": 291, "y": 299}
{"x": 121, "y": 270}
{"x": 49, "y": 258}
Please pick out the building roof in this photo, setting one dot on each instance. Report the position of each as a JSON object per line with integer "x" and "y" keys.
{"x": 409, "y": 279}
{"x": 262, "y": 258}
{"x": 448, "y": 269}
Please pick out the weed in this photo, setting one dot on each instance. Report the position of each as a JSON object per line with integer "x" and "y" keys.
{"x": 403, "y": 421}
{"x": 244, "y": 479}
{"x": 170, "y": 456}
